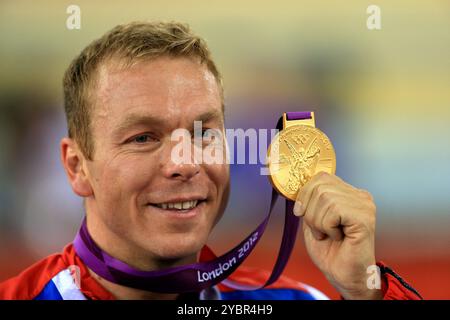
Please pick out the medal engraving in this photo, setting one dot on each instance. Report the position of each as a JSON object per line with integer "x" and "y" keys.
{"x": 296, "y": 154}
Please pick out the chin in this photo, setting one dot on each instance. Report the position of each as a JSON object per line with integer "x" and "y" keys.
{"x": 179, "y": 248}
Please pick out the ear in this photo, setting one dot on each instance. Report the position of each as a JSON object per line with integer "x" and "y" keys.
{"x": 74, "y": 164}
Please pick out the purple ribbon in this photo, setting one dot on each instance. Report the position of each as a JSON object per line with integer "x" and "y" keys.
{"x": 298, "y": 115}
{"x": 197, "y": 276}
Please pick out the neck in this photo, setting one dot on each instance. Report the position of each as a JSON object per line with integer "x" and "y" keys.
{"x": 137, "y": 258}
{"x": 126, "y": 293}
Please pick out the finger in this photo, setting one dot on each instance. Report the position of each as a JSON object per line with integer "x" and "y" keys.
{"x": 313, "y": 232}
{"x": 321, "y": 214}
{"x": 329, "y": 227}
{"x": 317, "y": 208}
{"x": 305, "y": 193}
{"x": 298, "y": 207}
{"x": 321, "y": 198}
{"x": 331, "y": 224}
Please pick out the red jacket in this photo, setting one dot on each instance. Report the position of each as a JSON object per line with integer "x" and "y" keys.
{"x": 65, "y": 277}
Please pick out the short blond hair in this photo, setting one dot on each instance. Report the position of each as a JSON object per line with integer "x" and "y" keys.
{"x": 128, "y": 42}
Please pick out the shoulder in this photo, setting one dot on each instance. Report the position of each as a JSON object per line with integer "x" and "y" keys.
{"x": 283, "y": 289}
{"x": 32, "y": 281}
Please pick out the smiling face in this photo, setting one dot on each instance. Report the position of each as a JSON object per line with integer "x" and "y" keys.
{"x": 137, "y": 191}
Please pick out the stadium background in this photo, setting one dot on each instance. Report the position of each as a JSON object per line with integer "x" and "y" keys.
{"x": 381, "y": 96}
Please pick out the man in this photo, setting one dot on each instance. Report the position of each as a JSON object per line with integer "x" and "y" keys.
{"x": 124, "y": 96}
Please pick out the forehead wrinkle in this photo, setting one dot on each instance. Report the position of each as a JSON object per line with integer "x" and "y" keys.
{"x": 181, "y": 90}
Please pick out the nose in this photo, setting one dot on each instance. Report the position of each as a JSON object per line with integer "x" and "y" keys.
{"x": 183, "y": 171}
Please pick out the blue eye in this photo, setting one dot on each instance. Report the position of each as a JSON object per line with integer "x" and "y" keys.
{"x": 207, "y": 133}
{"x": 141, "y": 139}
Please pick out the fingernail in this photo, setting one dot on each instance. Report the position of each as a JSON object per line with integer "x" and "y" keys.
{"x": 298, "y": 208}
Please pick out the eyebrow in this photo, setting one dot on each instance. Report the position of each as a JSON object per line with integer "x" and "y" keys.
{"x": 133, "y": 120}
{"x": 209, "y": 116}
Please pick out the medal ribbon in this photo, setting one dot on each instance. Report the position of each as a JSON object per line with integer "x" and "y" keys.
{"x": 197, "y": 276}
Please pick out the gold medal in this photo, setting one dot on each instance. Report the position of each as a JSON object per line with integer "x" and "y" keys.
{"x": 296, "y": 154}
